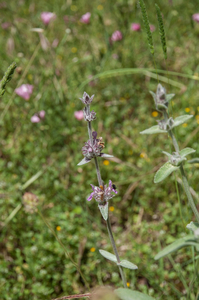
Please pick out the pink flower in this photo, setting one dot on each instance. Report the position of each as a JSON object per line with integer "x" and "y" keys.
{"x": 86, "y": 18}
{"x": 79, "y": 115}
{"x": 46, "y": 17}
{"x": 24, "y": 91}
{"x": 152, "y": 28}
{"x": 35, "y": 119}
{"x": 135, "y": 27}
{"x": 6, "y": 25}
{"x": 116, "y": 36}
{"x": 195, "y": 17}
{"x": 42, "y": 114}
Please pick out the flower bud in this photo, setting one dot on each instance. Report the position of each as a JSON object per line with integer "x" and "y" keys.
{"x": 86, "y": 98}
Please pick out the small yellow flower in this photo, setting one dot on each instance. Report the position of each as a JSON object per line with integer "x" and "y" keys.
{"x": 142, "y": 155}
{"x": 154, "y": 114}
{"x": 197, "y": 117}
{"x": 73, "y": 7}
{"x": 111, "y": 208}
{"x": 58, "y": 228}
{"x": 187, "y": 109}
{"x": 106, "y": 162}
{"x": 198, "y": 108}
{"x": 92, "y": 249}
{"x": 128, "y": 284}
{"x": 100, "y": 7}
{"x": 184, "y": 125}
{"x": 74, "y": 50}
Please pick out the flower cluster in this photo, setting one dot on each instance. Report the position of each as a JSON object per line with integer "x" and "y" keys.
{"x": 89, "y": 116}
{"x": 102, "y": 194}
{"x": 30, "y": 202}
{"x": 94, "y": 148}
{"x": 166, "y": 124}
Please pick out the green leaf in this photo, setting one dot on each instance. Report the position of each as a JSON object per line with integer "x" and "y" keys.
{"x": 169, "y": 97}
{"x": 164, "y": 172}
{"x": 127, "y": 264}
{"x": 104, "y": 210}
{"x": 167, "y": 154}
{"x": 108, "y": 255}
{"x": 193, "y": 226}
{"x": 183, "y": 242}
{"x": 186, "y": 151}
{"x": 193, "y": 161}
{"x": 152, "y": 130}
{"x": 182, "y": 119}
{"x": 127, "y": 294}
{"x": 84, "y": 161}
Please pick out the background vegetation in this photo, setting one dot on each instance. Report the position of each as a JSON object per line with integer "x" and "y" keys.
{"x": 145, "y": 216}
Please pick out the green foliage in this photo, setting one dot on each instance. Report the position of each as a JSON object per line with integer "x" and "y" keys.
{"x": 161, "y": 31}
{"x": 186, "y": 241}
{"x": 32, "y": 262}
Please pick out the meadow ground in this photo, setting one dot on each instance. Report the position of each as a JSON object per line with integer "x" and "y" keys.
{"x": 59, "y": 60}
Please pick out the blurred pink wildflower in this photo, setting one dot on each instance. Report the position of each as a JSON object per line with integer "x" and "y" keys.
{"x": 79, "y": 115}
{"x": 35, "y": 119}
{"x": 135, "y": 27}
{"x": 24, "y": 91}
{"x": 86, "y": 18}
{"x": 195, "y": 17}
{"x": 116, "y": 36}
{"x": 42, "y": 114}
{"x": 6, "y": 25}
{"x": 152, "y": 28}
{"x": 46, "y": 17}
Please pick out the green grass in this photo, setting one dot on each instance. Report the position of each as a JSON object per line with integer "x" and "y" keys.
{"x": 32, "y": 263}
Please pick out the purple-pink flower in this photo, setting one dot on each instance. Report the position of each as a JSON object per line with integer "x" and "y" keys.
{"x": 85, "y": 18}
{"x": 152, "y": 28}
{"x": 79, "y": 115}
{"x": 46, "y": 17}
{"x": 42, "y": 114}
{"x": 36, "y": 118}
{"x": 116, "y": 36}
{"x": 24, "y": 91}
{"x": 6, "y": 25}
{"x": 195, "y": 17}
{"x": 102, "y": 195}
{"x": 135, "y": 27}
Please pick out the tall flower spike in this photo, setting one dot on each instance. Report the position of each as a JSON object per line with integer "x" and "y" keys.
{"x": 87, "y": 99}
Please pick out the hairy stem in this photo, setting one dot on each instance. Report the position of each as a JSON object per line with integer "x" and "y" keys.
{"x": 115, "y": 251}
{"x": 184, "y": 179}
